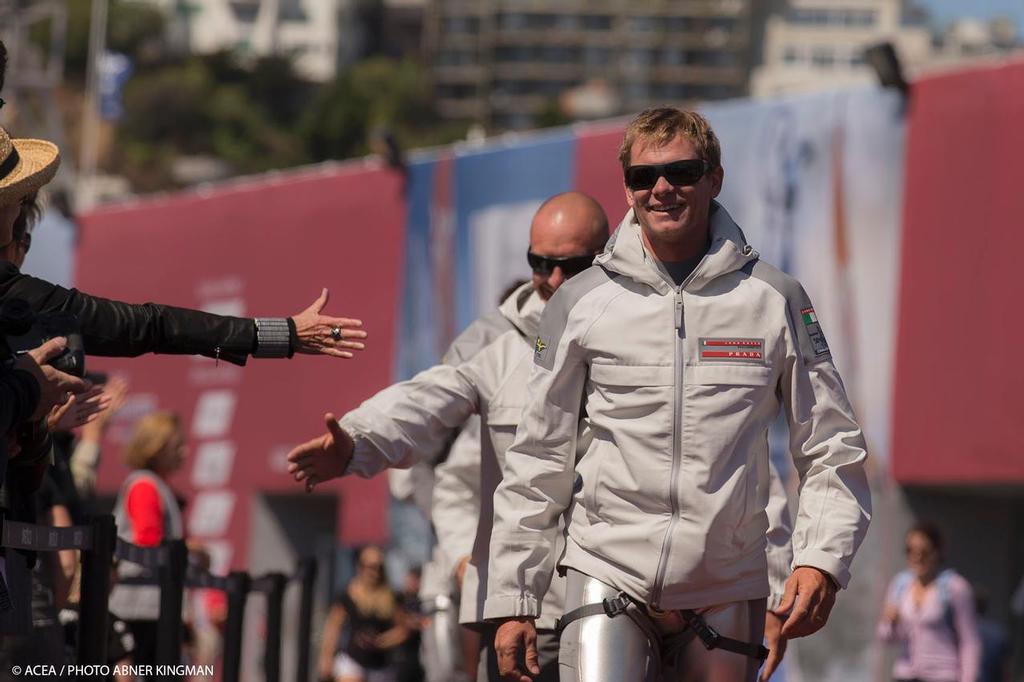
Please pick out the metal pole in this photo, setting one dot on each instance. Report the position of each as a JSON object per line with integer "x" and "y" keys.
{"x": 96, "y": 569}
{"x": 85, "y": 197}
{"x": 238, "y": 591}
{"x": 172, "y": 588}
{"x": 275, "y": 604}
{"x": 307, "y": 581}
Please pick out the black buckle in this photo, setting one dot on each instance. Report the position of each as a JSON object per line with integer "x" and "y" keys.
{"x": 616, "y": 605}
{"x": 707, "y": 634}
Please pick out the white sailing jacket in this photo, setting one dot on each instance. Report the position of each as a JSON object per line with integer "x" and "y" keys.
{"x": 414, "y": 420}
{"x": 678, "y": 386}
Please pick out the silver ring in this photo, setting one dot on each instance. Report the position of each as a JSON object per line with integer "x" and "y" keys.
{"x": 336, "y": 333}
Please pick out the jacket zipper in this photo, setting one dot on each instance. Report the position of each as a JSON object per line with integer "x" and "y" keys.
{"x": 677, "y": 447}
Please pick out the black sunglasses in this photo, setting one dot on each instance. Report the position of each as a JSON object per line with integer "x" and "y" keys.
{"x": 545, "y": 265}
{"x": 679, "y": 173}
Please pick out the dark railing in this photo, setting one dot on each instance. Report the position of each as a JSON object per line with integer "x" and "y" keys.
{"x": 167, "y": 566}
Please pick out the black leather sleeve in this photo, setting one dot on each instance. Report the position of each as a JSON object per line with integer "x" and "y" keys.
{"x": 117, "y": 329}
{"x": 19, "y": 395}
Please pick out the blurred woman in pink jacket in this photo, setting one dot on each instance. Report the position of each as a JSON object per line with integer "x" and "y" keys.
{"x": 929, "y": 612}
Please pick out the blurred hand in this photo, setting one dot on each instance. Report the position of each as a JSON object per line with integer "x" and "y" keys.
{"x": 323, "y": 458}
{"x": 776, "y": 644}
{"x": 513, "y": 636}
{"x": 116, "y": 392}
{"x": 78, "y": 410}
{"x": 891, "y": 614}
{"x": 808, "y": 599}
{"x": 460, "y": 571}
{"x": 314, "y": 331}
{"x": 54, "y": 386}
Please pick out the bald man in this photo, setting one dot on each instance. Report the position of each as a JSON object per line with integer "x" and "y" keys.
{"x": 415, "y": 420}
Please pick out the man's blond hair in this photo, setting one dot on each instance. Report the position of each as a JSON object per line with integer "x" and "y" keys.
{"x": 662, "y": 125}
{"x": 152, "y": 435}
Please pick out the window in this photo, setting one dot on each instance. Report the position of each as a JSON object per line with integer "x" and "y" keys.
{"x": 673, "y": 56}
{"x": 823, "y": 57}
{"x": 642, "y": 24}
{"x": 594, "y": 56}
{"x": 567, "y": 22}
{"x": 597, "y": 22}
{"x": 512, "y": 21}
{"x": 791, "y": 55}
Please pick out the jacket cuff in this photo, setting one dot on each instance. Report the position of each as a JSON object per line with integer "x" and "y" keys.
{"x": 502, "y": 606}
{"x": 824, "y": 561}
{"x": 273, "y": 338}
{"x": 366, "y": 460}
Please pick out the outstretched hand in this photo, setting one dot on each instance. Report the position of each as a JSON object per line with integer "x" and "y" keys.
{"x": 78, "y": 410}
{"x": 316, "y": 331}
{"x": 322, "y": 458}
{"x": 808, "y": 599}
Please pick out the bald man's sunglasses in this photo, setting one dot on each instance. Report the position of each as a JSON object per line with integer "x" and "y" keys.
{"x": 545, "y": 265}
{"x": 679, "y": 173}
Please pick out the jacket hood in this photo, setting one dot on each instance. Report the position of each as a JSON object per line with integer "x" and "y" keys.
{"x": 523, "y": 309}
{"x": 626, "y": 255}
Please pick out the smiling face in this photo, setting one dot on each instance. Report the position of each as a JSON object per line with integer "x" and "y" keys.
{"x": 673, "y": 218}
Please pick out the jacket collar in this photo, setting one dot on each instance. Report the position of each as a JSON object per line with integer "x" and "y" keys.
{"x": 626, "y": 255}
{"x": 523, "y": 309}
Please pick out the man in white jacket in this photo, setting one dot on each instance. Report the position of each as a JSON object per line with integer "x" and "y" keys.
{"x": 414, "y": 420}
{"x": 676, "y": 352}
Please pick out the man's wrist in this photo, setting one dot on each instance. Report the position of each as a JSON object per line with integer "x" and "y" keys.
{"x": 833, "y": 583}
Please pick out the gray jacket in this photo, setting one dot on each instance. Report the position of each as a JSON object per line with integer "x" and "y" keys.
{"x": 415, "y": 418}
{"x": 679, "y": 387}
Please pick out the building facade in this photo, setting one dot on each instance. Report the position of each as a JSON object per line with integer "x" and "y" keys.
{"x": 504, "y": 63}
{"x": 815, "y": 44}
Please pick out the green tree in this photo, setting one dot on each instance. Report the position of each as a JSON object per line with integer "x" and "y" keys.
{"x": 133, "y": 27}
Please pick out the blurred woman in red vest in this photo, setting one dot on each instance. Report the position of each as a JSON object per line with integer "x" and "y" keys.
{"x": 147, "y": 512}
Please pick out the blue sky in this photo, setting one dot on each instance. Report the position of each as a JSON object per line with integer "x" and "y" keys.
{"x": 944, "y": 11}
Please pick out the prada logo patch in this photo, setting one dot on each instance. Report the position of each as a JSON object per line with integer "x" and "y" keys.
{"x": 732, "y": 349}
{"x": 810, "y": 321}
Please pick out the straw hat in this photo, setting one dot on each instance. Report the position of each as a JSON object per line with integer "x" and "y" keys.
{"x": 25, "y": 166}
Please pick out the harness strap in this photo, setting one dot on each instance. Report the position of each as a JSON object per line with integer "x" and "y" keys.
{"x": 611, "y": 607}
{"x": 712, "y": 639}
{"x": 709, "y": 637}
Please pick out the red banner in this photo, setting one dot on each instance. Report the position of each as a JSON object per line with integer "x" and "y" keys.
{"x": 263, "y": 247}
{"x": 959, "y": 379}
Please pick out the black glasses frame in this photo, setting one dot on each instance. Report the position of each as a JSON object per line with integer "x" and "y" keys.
{"x": 570, "y": 265}
{"x": 682, "y": 173}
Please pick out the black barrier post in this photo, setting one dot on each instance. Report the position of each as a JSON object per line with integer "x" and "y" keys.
{"x": 307, "y": 580}
{"x": 275, "y": 605}
{"x": 96, "y": 569}
{"x": 238, "y": 591}
{"x": 172, "y": 587}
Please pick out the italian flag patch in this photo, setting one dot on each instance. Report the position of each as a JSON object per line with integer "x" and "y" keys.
{"x": 814, "y": 331}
